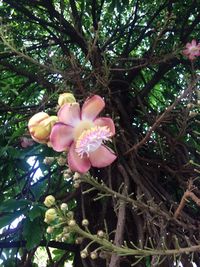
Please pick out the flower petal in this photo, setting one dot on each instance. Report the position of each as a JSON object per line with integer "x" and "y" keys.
{"x": 92, "y": 107}
{"x": 77, "y": 163}
{"x": 61, "y": 136}
{"x": 102, "y": 157}
{"x": 194, "y": 42}
{"x": 103, "y": 121}
{"x": 69, "y": 114}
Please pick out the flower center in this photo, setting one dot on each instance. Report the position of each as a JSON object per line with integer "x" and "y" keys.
{"x": 194, "y": 49}
{"x": 81, "y": 127}
{"x": 91, "y": 139}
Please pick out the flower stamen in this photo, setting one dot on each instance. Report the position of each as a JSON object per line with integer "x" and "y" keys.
{"x": 91, "y": 139}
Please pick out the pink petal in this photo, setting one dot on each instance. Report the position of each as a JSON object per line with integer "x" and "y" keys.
{"x": 186, "y": 52}
{"x": 69, "y": 114}
{"x": 77, "y": 163}
{"x": 194, "y": 42}
{"x": 102, "y": 157}
{"x": 92, "y": 107}
{"x": 61, "y": 136}
{"x": 103, "y": 121}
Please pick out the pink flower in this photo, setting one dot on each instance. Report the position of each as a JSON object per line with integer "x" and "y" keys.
{"x": 83, "y": 134}
{"x": 26, "y": 142}
{"x": 192, "y": 50}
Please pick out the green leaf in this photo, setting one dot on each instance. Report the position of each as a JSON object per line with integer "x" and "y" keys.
{"x": 35, "y": 212}
{"x": 32, "y": 233}
{"x": 9, "y": 218}
{"x": 13, "y": 204}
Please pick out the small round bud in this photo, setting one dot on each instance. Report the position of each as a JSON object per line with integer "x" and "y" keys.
{"x": 84, "y": 254}
{"x": 66, "y": 229}
{"x": 49, "y": 201}
{"x": 48, "y": 160}
{"x": 193, "y": 114}
{"x": 190, "y": 105}
{"x": 99, "y": 24}
{"x": 79, "y": 240}
{"x": 76, "y": 184}
{"x": 93, "y": 255}
{"x": 70, "y": 214}
{"x": 72, "y": 223}
{"x": 49, "y": 230}
{"x": 50, "y": 215}
{"x": 85, "y": 222}
{"x": 66, "y": 175}
{"x": 61, "y": 161}
{"x": 76, "y": 176}
{"x": 65, "y": 237}
{"x": 68, "y": 170}
{"x": 100, "y": 234}
{"x": 64, "y": 206}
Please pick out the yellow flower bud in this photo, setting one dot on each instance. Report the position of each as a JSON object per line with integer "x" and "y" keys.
{"x": 49, "y": 229}
{"x": 49, "y": 201}
{"x": 64, "y": 206}
{"x": 72, "y": 223}
{"x": 66, "y": 98}
{"x": 40, "y": 126}
{"x": 50, "y": 215}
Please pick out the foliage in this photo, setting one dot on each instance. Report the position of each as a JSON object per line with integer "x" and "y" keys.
{"x": 130, "y": 53}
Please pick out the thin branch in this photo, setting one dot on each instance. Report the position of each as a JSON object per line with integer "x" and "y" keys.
{"x": 162, "y": 117}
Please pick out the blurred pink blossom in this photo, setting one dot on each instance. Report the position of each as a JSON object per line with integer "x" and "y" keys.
{"x": 83, "y": 134}
{"x": 26, "y": 142}
{"x": 192, "y": 50}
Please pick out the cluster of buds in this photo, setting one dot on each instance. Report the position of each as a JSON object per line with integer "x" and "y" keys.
{"x": 60, "y": 216}
{"x": 84, "y": 254}
{"x": 77, "y": 179}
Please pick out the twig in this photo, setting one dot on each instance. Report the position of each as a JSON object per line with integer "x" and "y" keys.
{"x": 188, "y": 194}
{"x": 162, "y": 117}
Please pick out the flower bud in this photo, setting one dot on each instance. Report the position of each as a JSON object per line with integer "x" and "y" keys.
{"x": 85, "y": 222}
{"x": 65, "y": 237}
{"x": 72, "y": 223}
{"x": 50, "y": 215}
{"x": 48, "y": 160}
{"x": 66, "y": 175}
{"x": 79, "y": 240}
{"x": 26, "y": 142}
{"x": 61, "y": 161}
{"x": 100, "y": 234}
{"x": 66, "y": 229}
{"x": 70, "y": 214}
{"x": 76, "y": 185}
{"x": 49, "y": 201}
{"x": 66, "y": 98}
{"x": 76, "y": 176}
{"x": 84, "y": 254}
{"x": 40, "y": 126}
{"x": 93, "y": 255}
{"x": 49, "y": 229}
{"x": 64, "y": 206}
